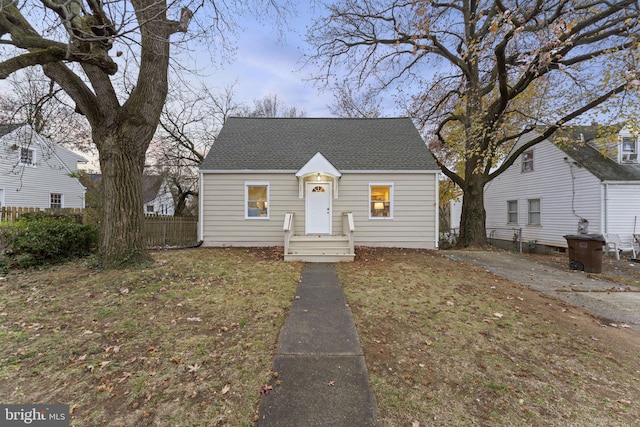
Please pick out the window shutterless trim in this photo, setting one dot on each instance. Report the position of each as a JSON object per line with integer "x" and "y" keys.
{"x": 248, "y": 184}
{"x": 390, "y": 201}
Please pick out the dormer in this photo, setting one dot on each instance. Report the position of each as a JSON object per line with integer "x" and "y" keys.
{"x": 628, "y": 147}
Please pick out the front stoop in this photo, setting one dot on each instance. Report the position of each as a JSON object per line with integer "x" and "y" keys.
{"x": 319, "y": 248}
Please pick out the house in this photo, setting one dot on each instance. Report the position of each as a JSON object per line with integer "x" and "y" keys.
{"x": 35, "y": 172}
{"x": 156, "y": 195}
{"x": 319, "y": 186}
{"x": 560, "y": 185}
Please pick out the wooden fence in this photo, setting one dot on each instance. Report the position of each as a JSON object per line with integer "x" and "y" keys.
{"x": 159, "y": 231}
{"x": 162, "y": 231}
{"x": 12, "y": 213}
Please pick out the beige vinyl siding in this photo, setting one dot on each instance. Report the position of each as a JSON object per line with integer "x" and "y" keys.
{"x": 413, "y": 224}
{"x": 223, "y": 210}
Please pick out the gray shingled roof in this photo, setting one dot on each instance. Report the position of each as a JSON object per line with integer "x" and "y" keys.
{"x": 7, "y": 129}
{"x": 602, "y": 167}
{"x": 349, "y": 144}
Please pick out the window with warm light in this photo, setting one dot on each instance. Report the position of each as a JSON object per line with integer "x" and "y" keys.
{"x": 256, "y": 195}
{"x": 380, "y": 200}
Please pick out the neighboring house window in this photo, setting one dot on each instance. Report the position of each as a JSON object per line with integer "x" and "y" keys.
{"x": 27, "y": 156}
{"x": 380, "y": 200}
{"x": 629, "y": 150}
{"x": 527, "y": 161}
{"x": 512, "y": 211}
{"x": 628, "y": 145}
{"x": 149, "y": 208}
{"x": 256, "y": 196}
{"x": 534, "y": 211}
{"x": 56, "y": 201}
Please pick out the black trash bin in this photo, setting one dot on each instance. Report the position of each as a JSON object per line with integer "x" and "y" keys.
{"x": 585, "y": 252}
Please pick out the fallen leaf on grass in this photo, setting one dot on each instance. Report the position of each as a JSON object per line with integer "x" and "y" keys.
{"x": 226, "y": 389}
{"x": 193, "y": 368}
{"x": 498, "y": 315}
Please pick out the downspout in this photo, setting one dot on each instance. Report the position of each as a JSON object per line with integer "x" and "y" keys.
{"x": 201, "y": 208}
{"x": 604, "y": 208}
{"x": 437, "y": 210}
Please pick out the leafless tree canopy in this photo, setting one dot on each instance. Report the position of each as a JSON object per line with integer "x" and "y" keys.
{"x": 94, "y": 48}
{"x": 474, "y": 72}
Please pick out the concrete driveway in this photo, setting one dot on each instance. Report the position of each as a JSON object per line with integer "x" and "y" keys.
{"x": 602, "y": 298}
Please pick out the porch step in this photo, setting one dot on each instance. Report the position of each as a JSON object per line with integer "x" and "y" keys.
{"x": 319, "y": 249}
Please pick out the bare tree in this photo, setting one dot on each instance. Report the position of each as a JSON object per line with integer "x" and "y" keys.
{"x": 351, "y": 104}
{"x": 476, "y": 71}
{"x": 271, "y": 106}
{"x": 189, "y": 125}
{"x": 37, "y": 100}
{"x": 81, "y": 45}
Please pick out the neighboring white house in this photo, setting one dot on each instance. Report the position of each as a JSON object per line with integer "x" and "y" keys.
{"x": 553, "y": 187}
{"x": 157, "y": 196}
{"x": 308, "y": 183}
{"x": 35, "y": 172}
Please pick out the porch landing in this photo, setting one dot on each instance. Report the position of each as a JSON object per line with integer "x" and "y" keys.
{"x": 319, "y": 248}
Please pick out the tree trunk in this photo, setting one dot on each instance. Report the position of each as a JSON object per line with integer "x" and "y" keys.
{"x": 473, "y": 217}
{"x": 121, "y": 241}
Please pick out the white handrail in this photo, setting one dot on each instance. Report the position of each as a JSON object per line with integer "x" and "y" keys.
{"x": 288, "y": 221}
{"x": 348, "y": 228}
{"x": 288, "y": 230}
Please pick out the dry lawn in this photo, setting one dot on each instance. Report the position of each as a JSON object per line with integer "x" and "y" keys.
{"x": 457, "y": 347}
{"x": 187, "y": 342}
{"x": 190, "y": 341}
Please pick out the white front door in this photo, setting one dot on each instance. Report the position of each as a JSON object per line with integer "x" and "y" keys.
{"x": 318, "y": 207}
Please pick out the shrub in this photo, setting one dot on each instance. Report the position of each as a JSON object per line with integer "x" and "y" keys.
{"x": 46, "y": 240}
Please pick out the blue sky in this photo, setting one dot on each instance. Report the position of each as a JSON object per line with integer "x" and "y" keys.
{"x": 269, "y": 63}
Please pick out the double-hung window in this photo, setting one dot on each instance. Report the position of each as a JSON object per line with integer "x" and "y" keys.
{"x": 27, "y": 156}
{"x": 56, "y": 200}
{"x": 381, "y": 200}
{"x": 534, "y": 212}
{"x": 512, "y": 211}
{"x": 256, "y": 200}
{"x": 628, "y": 145}
{"x": 527, "y": 161}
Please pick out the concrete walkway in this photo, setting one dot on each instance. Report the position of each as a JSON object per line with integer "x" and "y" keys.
{"x": 600, "y": 297}
{"x": 322, "y": 379}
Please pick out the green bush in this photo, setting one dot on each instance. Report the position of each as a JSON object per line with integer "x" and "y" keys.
{"x": 41, "y": 240}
